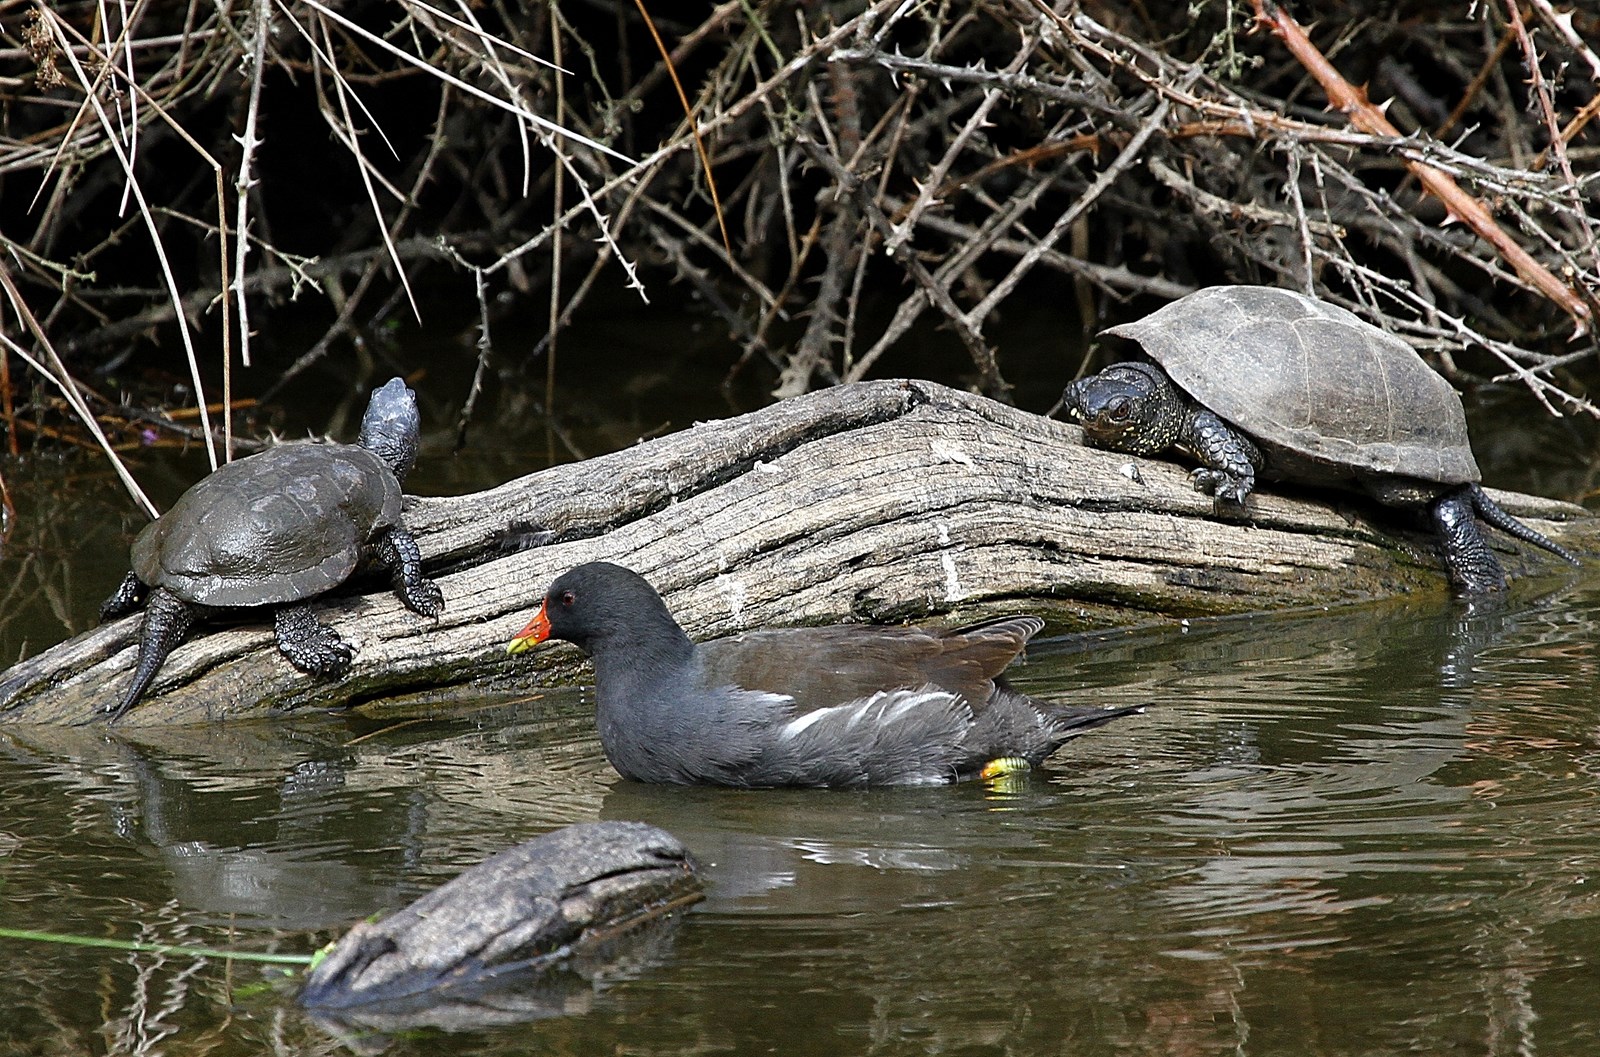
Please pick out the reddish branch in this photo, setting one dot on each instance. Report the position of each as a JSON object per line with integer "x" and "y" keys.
{"x": 1352, "y": 101}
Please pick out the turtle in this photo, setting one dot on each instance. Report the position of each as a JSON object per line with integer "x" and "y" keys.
{"x": 1253, "y": 380}
{"x": 275, "y": 530}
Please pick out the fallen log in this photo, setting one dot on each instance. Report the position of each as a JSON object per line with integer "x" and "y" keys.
{"x": 878, "y": 501}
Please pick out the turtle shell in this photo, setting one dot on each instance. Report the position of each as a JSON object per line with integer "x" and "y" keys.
{"x": 1311, "y": 379}
{"x": 276, "y": 527}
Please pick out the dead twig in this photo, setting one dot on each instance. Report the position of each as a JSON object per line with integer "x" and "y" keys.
{"x": 1353, "y": 102}
{"x": 1053, "y": 157}
{"x": 57, "y": 374}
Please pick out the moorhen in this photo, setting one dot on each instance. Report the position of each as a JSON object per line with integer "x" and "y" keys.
{"x": 846, "y": 705}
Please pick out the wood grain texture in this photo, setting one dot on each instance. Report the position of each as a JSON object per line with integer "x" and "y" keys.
{"x": 880, "y": 501}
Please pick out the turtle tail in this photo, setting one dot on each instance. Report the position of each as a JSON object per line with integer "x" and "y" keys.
{"x": 166, "y": 618}
{"x": 1490, "y": 511}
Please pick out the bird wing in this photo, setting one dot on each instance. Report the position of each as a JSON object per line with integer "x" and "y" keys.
{"x": 830, "y": 666}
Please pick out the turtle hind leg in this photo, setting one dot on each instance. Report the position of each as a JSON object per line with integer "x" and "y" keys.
{"x": 125, "y": 599}
{"x": 309, "y": 644}
{"x": 166, "y": 618}
{"x": 397, "y": 551}
{"x": 1491, "y": 512}
{"x": 1472, "y": 565}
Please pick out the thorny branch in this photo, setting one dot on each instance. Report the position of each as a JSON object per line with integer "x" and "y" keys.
{"x": 893, "y": 176}
{"x": 1348, "y": 99}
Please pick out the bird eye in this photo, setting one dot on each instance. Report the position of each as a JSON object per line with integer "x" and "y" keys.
{"x": 567, "y": 598}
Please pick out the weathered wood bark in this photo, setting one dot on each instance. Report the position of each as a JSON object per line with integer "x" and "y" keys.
{"x": 488, "y": 946}
{"x": 871, "y": 502}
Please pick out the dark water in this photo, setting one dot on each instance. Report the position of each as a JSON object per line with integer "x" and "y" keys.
{"x": 1362, "y": 831}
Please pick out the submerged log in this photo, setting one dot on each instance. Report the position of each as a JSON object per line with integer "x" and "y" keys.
{"x": 879, "y": 501}
{"x": 525, "y": 934}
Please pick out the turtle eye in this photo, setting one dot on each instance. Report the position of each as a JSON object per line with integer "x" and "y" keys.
{"x": 1119, "y": 409}
{"x": 567, "y": 598}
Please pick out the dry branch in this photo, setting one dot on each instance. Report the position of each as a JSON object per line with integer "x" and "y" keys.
{"x": 1352, "y": 101}
{"x": 885, "y": 170}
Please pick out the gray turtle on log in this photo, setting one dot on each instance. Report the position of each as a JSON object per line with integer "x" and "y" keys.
{"x": 274, "y": 530}
{"x": 1254, "y": 379}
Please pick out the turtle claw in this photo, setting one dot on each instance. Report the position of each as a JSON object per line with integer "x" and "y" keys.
{"x": 1224, "y": 486}
{"x": 423, "y": 596}
{"x": 310, "y": 645}
{"x": 325, "y": 654}
{"x": 398, "y": 550}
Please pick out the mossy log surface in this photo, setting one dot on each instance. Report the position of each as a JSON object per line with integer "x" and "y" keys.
{"x": 881, "y": 501}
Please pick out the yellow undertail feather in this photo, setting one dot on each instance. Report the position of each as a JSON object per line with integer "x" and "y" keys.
{"x": 1004, "y": 767}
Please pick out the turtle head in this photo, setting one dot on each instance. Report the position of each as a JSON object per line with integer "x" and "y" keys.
{"x": 1128, "y": 407}
{"x": 391, "y": 426}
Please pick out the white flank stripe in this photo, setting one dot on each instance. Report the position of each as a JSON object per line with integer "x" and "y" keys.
{"x": 881, "y": 709}
{"x": 911, "y": 700}
{"x": 862, "y": 708}
{"x": 794, "y": 727}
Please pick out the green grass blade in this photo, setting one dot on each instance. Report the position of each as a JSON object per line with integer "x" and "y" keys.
{"x": 152, "y": 948}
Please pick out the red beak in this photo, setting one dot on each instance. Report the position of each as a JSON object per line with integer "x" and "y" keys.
{"x": 537, "y": 631}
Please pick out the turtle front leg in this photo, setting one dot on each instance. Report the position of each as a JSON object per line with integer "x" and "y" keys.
{"x": 128, "y": 596}
{"x": 1228, "y": 459}
{"x": 310, "y": 645}
{"x": 397, "y": 550}
{"x": 1472, "y": 565}
{"x": 166, "y": 619}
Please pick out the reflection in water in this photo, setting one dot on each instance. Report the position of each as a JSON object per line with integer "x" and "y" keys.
{"x": 1351, "y": 832}
{"x": 497, "y": 1002}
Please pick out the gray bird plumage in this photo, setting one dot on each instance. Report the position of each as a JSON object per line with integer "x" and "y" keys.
{"x": 845, "y": 705}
